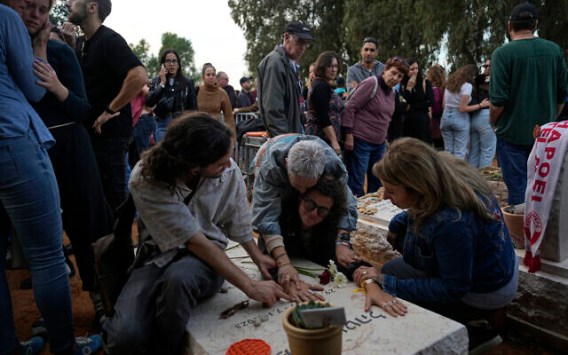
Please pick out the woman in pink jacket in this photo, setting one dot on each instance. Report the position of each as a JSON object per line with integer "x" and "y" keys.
{"x": 366, "y": 120}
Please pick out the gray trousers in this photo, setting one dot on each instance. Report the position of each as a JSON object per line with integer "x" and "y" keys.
{"x": 154, "y": 307}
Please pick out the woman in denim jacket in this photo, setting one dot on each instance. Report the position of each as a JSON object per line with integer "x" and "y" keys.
{"x": 458, "y": 259}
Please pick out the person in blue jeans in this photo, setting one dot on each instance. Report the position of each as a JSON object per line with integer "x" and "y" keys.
{"x": 529, "y": 82}
{"x": 455, "y": 122}
{"x": 482, "y": 137}
{"x": 29, "y": 197}
{"x": 457, "y": 257}
{"x": 365, "y": 124}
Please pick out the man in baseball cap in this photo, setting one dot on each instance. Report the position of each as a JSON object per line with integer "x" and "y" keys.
{"x": 518, "y": 68}
{"x": 280, "y": 99}
{"x": 299, "y": 29}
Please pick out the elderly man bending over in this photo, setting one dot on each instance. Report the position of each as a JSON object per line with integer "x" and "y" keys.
{"x": 295, "y": 161}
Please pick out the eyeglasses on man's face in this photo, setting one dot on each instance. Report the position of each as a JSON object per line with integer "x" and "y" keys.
{"x": 311, "y": 205}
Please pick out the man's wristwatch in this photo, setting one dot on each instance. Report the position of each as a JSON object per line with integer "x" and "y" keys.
{"x": 343, "y": 239}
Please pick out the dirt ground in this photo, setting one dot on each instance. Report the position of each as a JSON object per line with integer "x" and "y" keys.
{"x": 26, "y": 311}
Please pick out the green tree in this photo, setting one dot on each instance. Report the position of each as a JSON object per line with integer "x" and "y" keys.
{"x": 263, "y": 23}
{"x": 464, "y": 31}
{"x": 58, "y": 13}
{"x": 142, "y": 51}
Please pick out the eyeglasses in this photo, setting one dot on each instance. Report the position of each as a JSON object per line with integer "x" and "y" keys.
{"x": 310, "y": 205}
{"x": 171, "y": 61}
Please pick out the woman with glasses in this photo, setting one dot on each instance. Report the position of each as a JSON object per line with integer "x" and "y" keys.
{"x": 367, "y": 116}
{"x": 309, "y": 223}
{"x": 325, "y": 108}
{"x": 171, "y": 92}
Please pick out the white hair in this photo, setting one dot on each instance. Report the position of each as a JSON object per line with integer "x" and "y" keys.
{"x": 306, "y": 160}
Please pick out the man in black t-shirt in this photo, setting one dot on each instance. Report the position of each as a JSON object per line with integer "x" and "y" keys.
{"x": 113, "y": 76}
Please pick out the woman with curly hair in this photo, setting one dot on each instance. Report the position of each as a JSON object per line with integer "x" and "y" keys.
{"x": 455, "y": 122}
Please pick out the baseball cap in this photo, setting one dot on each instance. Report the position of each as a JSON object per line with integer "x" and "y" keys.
{"x": 299, "y": 29}
{"x": 244, "y": 79}
{"x": 524, "y": 11}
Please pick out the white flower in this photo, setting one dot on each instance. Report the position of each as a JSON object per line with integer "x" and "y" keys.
{"x": 332, "y": 268}
{"x": 340, "y": 280}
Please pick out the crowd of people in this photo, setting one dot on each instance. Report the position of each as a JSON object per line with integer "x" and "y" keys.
{"x": 72, "y": 108}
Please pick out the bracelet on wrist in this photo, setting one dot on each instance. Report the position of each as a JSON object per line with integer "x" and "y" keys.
{"x": 279, "y": 256}
{"x": 285, "y": 264}
{"x": 365, "y": 282}
{"x": 109, "y": 110}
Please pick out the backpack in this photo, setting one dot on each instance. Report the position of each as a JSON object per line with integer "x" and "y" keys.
{"x": 113, "y": 255}
{"x": 373, "y": 93}
{"x": 437, "y": 105}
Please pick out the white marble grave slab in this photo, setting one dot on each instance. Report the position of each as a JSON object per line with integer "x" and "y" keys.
{"x": 374, "y": 332}
{"x": 376, "y": 210}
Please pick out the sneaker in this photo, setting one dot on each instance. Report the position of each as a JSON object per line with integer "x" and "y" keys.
{"x": 39, "y": 329}
{"x": 33, "y": 345}
{"x": 88, "y": 345}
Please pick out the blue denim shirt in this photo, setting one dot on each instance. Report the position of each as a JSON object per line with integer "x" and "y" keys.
{"x": 461, "y": 252}
{"x": 18, "y": 82}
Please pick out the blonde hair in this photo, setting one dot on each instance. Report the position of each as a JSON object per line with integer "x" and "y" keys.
{"x": 437, "y": 178}
{"x": 437, "y": 75}
{"x": 461, "y": 76}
